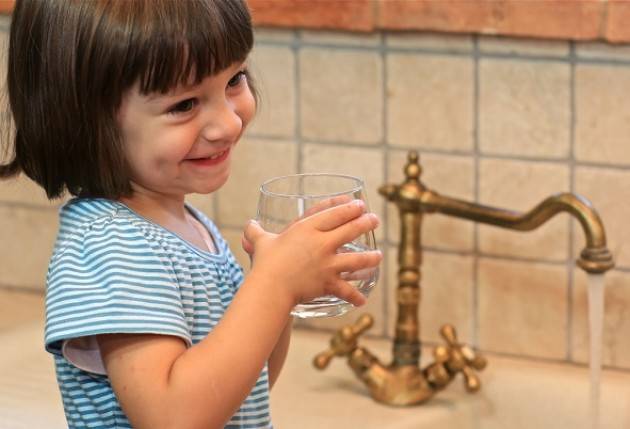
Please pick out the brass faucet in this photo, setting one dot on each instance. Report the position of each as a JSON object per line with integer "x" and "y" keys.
{"x": 403, "y": 382}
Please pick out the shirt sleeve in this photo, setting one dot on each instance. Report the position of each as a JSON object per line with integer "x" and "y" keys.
{"x": 111, "y": 278}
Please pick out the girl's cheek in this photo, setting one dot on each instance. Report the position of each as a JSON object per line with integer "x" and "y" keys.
{"x": 249, "y": 108}
{"x": 177, "y": 144}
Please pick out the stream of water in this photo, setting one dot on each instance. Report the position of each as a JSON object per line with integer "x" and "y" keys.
{"x": 596, "y": 324}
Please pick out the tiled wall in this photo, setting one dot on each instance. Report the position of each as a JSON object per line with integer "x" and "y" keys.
{"x": 498, "y": 121}
{"x": 503, "y": 122}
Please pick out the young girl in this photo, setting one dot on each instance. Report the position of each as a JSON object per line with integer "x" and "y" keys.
{"x": 129, "y": 106}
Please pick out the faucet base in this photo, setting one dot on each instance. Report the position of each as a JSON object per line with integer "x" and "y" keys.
{"x": 397, "y": 386}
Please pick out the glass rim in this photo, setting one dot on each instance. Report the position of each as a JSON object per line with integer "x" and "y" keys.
{"x": 358, "y": 185}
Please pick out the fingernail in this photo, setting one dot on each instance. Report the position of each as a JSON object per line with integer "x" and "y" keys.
{"x": 374, "y": 218}
{"x": 358, "y": 203}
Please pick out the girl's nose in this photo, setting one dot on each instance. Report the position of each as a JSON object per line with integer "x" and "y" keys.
{"x": 223, "y": 123}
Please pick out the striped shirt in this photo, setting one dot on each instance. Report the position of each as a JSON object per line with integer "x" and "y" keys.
{"x": 113, "y": 271}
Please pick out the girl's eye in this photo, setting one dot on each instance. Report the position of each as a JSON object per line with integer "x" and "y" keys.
{"x": 237, "y": 78}
{"x": 183, "y": 106}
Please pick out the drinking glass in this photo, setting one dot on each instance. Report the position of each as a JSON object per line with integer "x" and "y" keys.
{"x": 284, "y": 200}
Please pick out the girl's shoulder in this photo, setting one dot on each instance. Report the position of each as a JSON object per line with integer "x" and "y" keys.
{"x": 93, "y": 223}
{"x": 80, "y": 217}
{"x": 87, "y": 210}
{"x": 87, "y": 225}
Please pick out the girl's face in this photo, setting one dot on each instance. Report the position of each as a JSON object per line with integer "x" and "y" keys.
{"x": 181, "y": 142}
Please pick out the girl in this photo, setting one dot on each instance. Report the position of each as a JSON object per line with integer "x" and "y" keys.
{"x": 129, "y": 106}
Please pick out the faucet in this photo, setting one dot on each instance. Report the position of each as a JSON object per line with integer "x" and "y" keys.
{"x": 403, "y": 382}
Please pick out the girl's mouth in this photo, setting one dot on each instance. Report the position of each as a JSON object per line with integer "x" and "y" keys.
{"x": 215, "y": 159}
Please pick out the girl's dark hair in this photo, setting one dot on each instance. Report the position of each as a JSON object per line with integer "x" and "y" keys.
{"x": 71, "y": 61}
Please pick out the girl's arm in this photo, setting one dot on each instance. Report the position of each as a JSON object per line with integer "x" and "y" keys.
{"x": 279, "y": 354}
{"x": 162, "y": 384}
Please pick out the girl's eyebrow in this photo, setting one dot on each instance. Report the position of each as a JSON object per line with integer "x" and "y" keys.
{"x": 154, "y": 97}
{"x": 179, "y": 91}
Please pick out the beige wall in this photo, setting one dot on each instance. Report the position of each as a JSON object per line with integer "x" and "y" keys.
{"x": 499, "y": 121}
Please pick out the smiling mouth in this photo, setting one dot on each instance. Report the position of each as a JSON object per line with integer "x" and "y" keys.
{"x": 211, "y": 160}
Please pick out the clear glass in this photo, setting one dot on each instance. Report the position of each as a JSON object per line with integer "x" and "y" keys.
{"x": 283, "y": 200}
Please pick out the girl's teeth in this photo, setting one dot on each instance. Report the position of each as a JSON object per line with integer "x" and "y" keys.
{"x": 216, "y": 155}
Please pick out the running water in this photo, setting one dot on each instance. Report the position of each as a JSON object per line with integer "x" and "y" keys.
{"x": 596, "y": 318}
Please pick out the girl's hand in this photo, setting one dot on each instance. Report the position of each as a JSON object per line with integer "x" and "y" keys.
{"x": 303, "y": 260}
{"x": 322, "y": 205}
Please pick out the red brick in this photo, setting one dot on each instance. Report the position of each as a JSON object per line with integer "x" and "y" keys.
{"x": 353, "y": 15}
{"x": 618, "y": 21}
{"x": 555, "y": 19}
{"x": 6, "y": 6}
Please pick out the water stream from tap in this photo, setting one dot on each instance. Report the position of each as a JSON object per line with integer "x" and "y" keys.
{"x": 596, "y": 324}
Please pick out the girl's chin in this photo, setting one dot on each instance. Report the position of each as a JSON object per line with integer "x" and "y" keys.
{"x": 210, "y": 187}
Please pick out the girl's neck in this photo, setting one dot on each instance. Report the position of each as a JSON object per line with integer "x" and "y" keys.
{"x": 158, "y": 208}
{"x": 170, "y": 212}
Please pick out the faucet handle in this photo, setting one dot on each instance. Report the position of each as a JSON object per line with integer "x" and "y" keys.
{"x": 344, "y": 341}
{"x": 457, "y": 357}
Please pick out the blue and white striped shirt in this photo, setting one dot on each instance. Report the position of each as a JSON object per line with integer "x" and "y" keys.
{"x": 113, "y": 271}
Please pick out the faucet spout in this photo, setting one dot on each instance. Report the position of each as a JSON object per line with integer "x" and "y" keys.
{"x": 413, "y": 198}
{"x": 594, "y": 258}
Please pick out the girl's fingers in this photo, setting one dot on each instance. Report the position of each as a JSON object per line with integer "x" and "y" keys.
{"x": 354, "y": 228}
{"x": 355, "y": 262}
{"x": 248, "y": 247}
{"x": 364, "y": 274}
{"x": 321, "y": 206}
{"x": 326, "y": 204}
{"x": 334, "y": 217}
{"x": 344, "y": 290}
{"x": 253, "y": 231}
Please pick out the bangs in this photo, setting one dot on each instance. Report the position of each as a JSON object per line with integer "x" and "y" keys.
{"x": 182, "y": 42}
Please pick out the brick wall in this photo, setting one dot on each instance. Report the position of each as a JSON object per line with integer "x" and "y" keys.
{"x": 555, "y": 19}
{"x": 550, "y": 19}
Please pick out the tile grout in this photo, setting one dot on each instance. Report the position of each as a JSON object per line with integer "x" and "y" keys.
{"x": 570, "y": 221}
{"x": 463, "y": 52}
{"x": 295, "y": 49}
{"x": 387, "y": 258}
{"x": 476, "y": 193}
{"x": 453, "y": 153}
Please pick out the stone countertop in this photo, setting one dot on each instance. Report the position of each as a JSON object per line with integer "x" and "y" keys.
{"x": 516, "y": 393}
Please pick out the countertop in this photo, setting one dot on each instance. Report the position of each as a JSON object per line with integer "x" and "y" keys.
{"x": 515, "y": 393}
